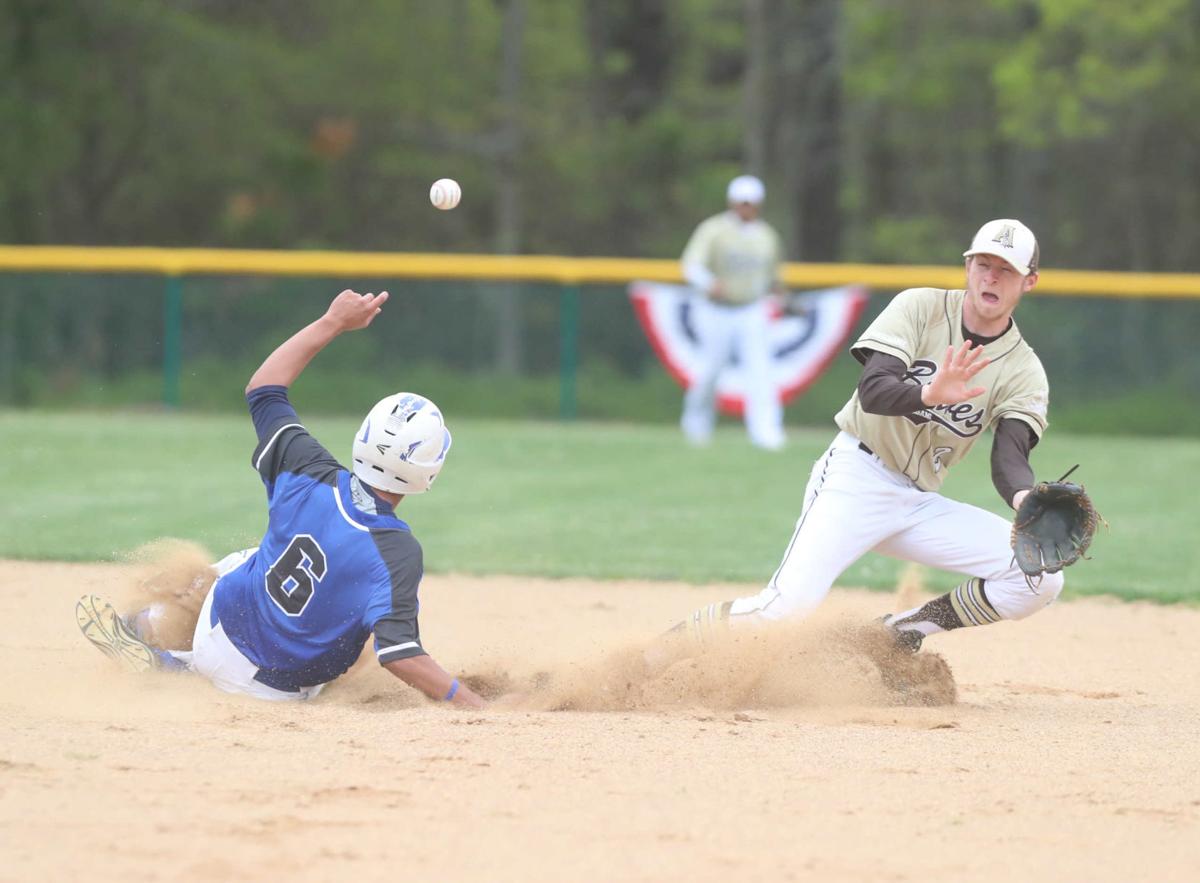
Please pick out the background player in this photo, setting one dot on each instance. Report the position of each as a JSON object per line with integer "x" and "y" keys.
{"x": 733, "y": 260}
{"x": 335, "y": 564}
{"x": 907, "y": 423}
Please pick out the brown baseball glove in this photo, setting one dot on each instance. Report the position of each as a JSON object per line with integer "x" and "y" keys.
{"x": 1053, "y": 527}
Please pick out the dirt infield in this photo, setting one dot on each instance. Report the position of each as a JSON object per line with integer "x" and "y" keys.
{"x": 1071, "y": 753}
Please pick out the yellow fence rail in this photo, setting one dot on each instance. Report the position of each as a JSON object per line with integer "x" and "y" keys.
{"x": 546, "y": 268}
{"x": 176, "y": 263}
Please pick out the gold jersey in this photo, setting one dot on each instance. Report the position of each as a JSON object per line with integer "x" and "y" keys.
{"x": 916, "y": 327}
{"x": 743, "y": 256}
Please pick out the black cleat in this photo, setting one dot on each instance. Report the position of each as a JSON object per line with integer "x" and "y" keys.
{"x": 905, "y": 639}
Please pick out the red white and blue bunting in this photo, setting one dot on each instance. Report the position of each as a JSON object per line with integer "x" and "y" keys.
{"x": 807, "y": 331}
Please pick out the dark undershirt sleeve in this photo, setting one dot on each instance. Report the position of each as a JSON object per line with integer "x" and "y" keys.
{"x": 882, "y": 389}
{"x": 270, "y": 409}
{"x": 1011, "y": 472}
{"x": 284, "y": 445}
{"x": 397, "y": 633}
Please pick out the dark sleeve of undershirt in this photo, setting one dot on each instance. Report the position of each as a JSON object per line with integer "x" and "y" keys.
{"x": 1011, "y": 472}
{"x": 883, "y": 390}
{"x": 397, "y": 633}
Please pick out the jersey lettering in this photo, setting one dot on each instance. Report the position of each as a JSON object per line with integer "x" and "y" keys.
{"x": 916, "y": 327}
{"x": 292, "y": 579}
{"x": 964, "y": 419}
{"x": 938, "y": 453}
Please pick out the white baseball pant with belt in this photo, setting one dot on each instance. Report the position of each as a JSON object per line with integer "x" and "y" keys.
{"x": 855, "y": 504}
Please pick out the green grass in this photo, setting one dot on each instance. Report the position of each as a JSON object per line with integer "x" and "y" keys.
{"x": 552, "y": 499}
{"x": 602, "y": 392}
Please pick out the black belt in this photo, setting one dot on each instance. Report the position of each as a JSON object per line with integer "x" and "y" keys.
{"x": 718, "y": 302}
{"x": 275, "y": 680}
{"x": 862, "y": 447}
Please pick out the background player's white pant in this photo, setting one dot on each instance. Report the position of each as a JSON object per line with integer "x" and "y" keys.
{"x": 855, "y": 504}
{"x": 215, "y": 657}
{"x": 722, "y": 330}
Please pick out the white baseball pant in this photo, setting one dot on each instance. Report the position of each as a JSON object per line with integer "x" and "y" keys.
{"x": 722, "y": 331}
{"x": 855, "y": 504}
{"x": 215, "y": 657}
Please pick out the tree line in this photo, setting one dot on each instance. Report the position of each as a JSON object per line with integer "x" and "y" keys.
{"x": 886, "y": 130}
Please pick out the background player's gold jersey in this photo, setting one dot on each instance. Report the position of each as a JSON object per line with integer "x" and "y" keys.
{"x": 745, "y": 257}
{"x": 916, "y": 327}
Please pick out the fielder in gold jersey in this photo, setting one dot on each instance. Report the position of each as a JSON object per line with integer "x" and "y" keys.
{"x": 939, "y": 368}
{"x": 732, "y": 260}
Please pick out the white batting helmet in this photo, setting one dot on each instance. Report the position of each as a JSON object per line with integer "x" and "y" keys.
{"x": 401, "y": 445}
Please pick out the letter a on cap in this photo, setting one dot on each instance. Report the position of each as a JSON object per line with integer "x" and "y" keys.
{"x": 1005, "y": 236}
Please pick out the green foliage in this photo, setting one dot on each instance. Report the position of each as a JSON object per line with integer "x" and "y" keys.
{"x": 552, "y": 499}
{"x": 302, "y": 124}
{"x": 296, "y": 123}
{"x": 1090, "y": 68}
{"x": 1173, "y": 409}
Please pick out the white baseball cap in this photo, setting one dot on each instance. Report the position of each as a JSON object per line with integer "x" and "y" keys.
{"x": 1008, "y": 239}
{"x": 746, "y": 188}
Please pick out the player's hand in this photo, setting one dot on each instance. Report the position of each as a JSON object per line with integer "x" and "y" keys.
{"x": 351, "y": 310}
{"x": 465, "y": 698}
{"x": 952, "y": 382}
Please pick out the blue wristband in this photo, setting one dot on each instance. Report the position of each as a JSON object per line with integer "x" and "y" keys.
{"x": 453, "y": 690}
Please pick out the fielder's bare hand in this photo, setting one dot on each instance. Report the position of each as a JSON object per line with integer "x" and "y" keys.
{"x": 950, "y": 385}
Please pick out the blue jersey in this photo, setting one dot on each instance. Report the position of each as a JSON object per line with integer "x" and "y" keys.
{"x": 335, "y": 564}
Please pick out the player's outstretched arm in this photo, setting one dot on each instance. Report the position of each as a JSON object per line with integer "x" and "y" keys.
{"x": 424, "y": 674}
{"x": 348, "y": 312}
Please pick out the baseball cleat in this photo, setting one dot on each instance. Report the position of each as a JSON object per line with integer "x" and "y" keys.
{"x": 904, "y": 639}
{"x": 908, "y": 639}
{"x": 110, "y": 635}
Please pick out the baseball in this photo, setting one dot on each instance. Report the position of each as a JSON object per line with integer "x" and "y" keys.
{"x": 445, "y": 193}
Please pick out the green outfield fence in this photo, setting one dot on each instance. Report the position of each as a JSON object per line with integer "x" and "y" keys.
{"x": 95, "y": 325}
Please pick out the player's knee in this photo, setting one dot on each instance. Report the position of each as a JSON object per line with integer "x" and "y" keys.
{"x": 1017, "y": 598}
{"x": 166, "y": 625}
{"x": 1051, "y": 585}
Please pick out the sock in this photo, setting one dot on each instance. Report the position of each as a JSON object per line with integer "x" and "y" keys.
{"x": 141, "y": 624}
{"x": 167, "y": 660}
{"x": 964, "y": 605}
{"x": 687, "y": 638}
{"x": 706, "y": 624}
